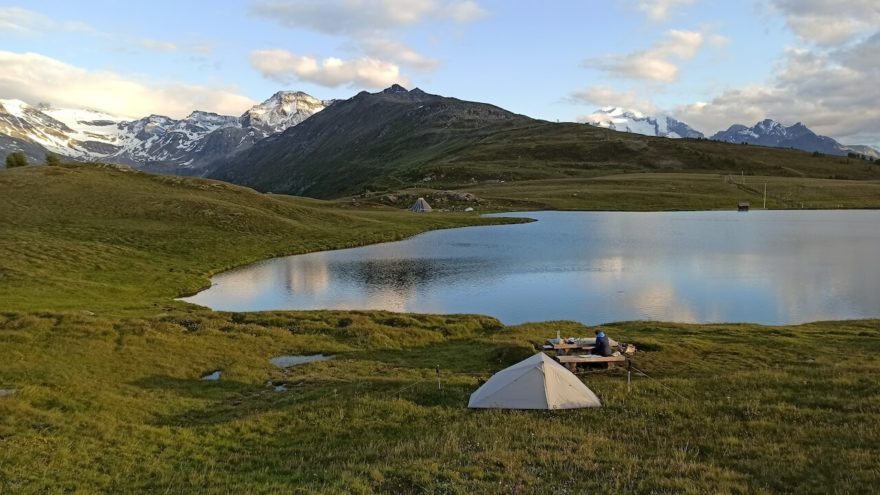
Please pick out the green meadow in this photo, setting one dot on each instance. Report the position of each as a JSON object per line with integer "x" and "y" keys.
{"x": 103, "y": 368}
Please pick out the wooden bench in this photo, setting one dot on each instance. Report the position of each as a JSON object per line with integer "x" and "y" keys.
{"x": 571, "y": 362}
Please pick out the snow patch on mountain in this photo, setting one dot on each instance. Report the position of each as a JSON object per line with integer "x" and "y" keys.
{"x": 626, "y": 120}
{"x": 154, "y": 142}
{"x": 772, "y": 133}
{"x": 284, "y": 109}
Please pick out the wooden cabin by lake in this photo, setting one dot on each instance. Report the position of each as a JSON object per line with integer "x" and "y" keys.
{"x": 742, "y": 206}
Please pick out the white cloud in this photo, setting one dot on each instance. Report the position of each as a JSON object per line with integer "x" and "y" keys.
{"x": 658, "y": 10}
{"x": 656, "y": 63}
{"x": 368, "y": 24}
{"x": 830, "y": 22}
{"x": 159, "y": 46}
{"x": 33, "y": 78}
{"x": 605, "y": 96}
{"x": 833, "y": 94}
{"x": 386, "y": 48}
{"x": 22, "y": 21}
{"x": 348, "y": 16}
{"x": 286, "y": 67}
{"x": 467, "y": 11}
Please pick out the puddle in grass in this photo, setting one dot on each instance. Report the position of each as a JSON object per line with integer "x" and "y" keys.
{"x": 288, "y": 361}
{"x": 212, "y": 377}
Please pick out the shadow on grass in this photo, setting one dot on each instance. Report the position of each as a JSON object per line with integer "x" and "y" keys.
{"x": 235, "y": 401}
{"x": 457, "y": 356}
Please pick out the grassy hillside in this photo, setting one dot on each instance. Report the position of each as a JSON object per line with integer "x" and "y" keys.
{"x": 670, "y": 191}
{"x": 390, "y": 142}
{"x": 644, "y": 192}
{"x": 96, "y": 238}
{"x": 100, "y": 388}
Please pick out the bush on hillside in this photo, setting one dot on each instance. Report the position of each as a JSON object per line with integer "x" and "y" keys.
{"x": 16, "y": 159}
{"x": 52, "y": 160}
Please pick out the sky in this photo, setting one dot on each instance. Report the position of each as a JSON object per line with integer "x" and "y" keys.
{"x": 709, "y": 63}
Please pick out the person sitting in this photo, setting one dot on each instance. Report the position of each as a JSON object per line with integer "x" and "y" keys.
{"x": 603, "y": 345}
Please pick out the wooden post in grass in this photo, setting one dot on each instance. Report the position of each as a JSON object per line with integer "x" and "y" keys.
{"x": 438, "y": 377}
{"x": 629, "y": 368}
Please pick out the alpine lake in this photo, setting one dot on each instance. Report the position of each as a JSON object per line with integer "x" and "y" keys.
{"x": 767, "y": 267}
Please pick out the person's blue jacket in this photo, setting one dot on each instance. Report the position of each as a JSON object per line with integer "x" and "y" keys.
{"x": 603, "y": 345}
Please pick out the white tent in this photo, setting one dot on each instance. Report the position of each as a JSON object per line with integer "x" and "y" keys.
{"x": 539, "y": 382}
{"x": 420, "y": 206}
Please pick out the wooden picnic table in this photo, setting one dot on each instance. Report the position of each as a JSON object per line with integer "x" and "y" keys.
{"x": 571, "y": 362}
{"x": 562, "y": 348}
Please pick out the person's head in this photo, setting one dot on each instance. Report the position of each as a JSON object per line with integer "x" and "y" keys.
{"x": 600, "y": 333}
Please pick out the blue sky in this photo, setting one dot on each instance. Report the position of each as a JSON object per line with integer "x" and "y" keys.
{"x": 709, "y": 63}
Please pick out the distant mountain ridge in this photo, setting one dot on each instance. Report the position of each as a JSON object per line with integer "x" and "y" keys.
{"x": 625, "y": 120}
{"x": 353, "y": 141}
{"x": 769, "y": 132}
{"x": 155, "y": 142}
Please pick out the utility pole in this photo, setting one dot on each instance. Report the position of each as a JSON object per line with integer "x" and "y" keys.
{"x": 765, "y": 195}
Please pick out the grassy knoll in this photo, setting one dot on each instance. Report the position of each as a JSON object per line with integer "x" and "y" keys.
{"x": 116, "y": 405}
{"x": 108, "y": 398}
{"x": 100, "y": 238}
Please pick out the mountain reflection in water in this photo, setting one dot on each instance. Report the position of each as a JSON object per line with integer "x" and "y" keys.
{"x": 772, "y": 267}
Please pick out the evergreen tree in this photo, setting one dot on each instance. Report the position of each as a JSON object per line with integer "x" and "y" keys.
{"x": 52, "y": 160}
{"x": 16, "y": 159}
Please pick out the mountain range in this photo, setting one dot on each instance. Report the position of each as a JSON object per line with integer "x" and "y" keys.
{"x": 395, "y": 139}
{"x": 768, "y": 132}
{"x": 156, "y": 143}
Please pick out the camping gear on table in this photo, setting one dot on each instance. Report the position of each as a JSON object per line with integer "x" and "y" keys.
{"x": 538, "y": 382}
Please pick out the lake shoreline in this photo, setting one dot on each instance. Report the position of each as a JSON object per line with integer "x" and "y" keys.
{"x": 260, "y": 272}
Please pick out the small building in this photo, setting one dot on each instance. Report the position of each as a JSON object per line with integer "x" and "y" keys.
{"x": 743, "y": 206}
{"x": 420, "y": 206}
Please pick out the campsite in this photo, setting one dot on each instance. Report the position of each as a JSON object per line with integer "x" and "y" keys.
{"x": 440, "y": 247}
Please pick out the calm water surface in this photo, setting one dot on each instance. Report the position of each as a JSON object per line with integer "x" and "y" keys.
{"x": 771, "y": 267}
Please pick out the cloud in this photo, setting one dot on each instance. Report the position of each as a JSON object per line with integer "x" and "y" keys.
{"x": 604, "y": 96}
{"x": 658, "y": 10}
{"x": 285, "y": 67}
{"x": 22, "y": 21}
{"x": 348, "y": 16}
{"x": 386, "y": 48}
{"x": 33, "y": 78}
{"x": 655, "y": 63}
{"x": 368, "y": 24}
{"x": 830, "y": 22}
{"x": 159, "y": 46}
{"x": 835, "y": 94}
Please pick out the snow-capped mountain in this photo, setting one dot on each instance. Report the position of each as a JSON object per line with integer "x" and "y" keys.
{"x": 155, "y": 142}
{"x": 769, "y": 132}
{"x": 284, "y": 109}
{"x": 621, "y": 119}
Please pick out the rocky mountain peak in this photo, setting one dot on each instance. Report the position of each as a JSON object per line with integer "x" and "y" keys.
{"x": 394, "y": 89}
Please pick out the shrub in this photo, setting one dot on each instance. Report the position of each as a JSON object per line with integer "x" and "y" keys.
{"x": 52, "y": 160}
{"x": 16, "y": 159}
